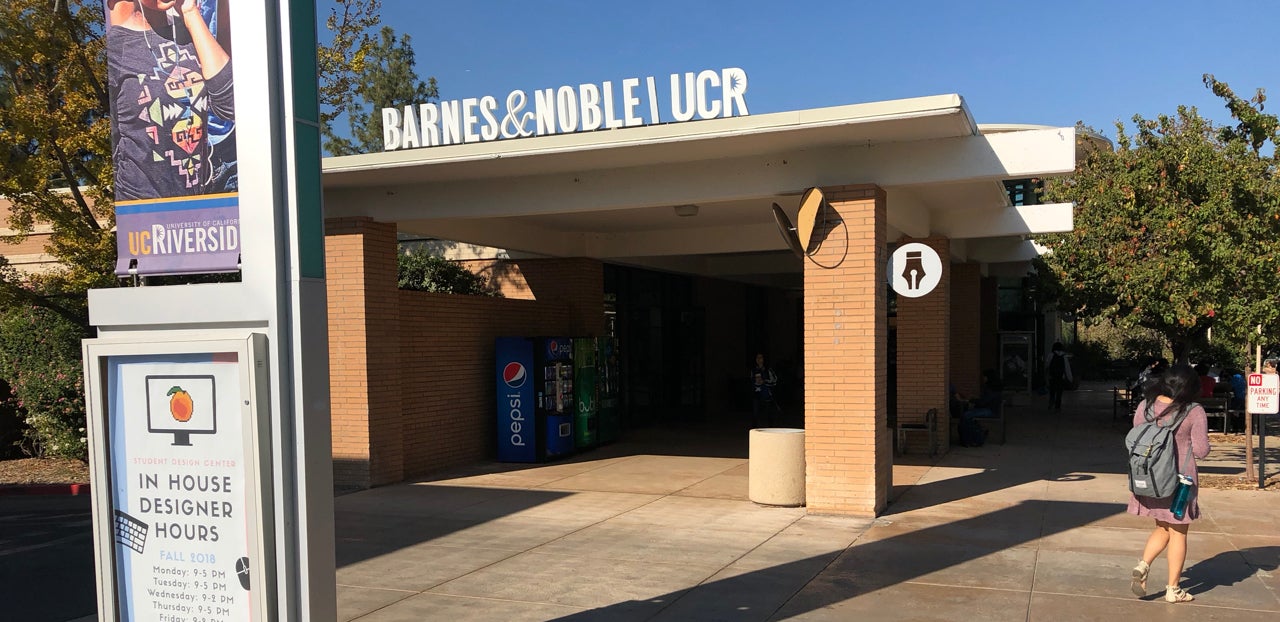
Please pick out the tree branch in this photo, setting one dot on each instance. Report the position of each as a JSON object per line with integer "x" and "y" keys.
{"x": 74, "y": 185}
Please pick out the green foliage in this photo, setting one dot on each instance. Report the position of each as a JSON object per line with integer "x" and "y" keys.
{"x": 342, "y": 60}
{"x": 1177, "y": 230}
{"x": 55, "y": 165}
{"x": 422, "y": 271}
{"x": 1128, "y": 348}
{"x": 40, "y": 357}
{"x": 360, "y": 74}
{"x": 388, "y": 79}
{"x": 11, "y": 425}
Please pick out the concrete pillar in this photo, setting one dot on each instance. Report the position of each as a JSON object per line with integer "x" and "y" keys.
{"x": 848, "y": 447}
{"x": 364, "y": 352}
{"x": 924, "y": 360}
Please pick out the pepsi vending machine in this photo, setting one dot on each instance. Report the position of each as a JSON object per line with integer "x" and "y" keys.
{"x": 535, "y": 398}
{"x": 584, "y": 376}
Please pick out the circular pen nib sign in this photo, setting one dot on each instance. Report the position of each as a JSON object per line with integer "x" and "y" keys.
{"x": 914, "y": 270}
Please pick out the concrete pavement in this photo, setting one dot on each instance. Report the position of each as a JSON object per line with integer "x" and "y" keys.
{"x": 659, "y": 528}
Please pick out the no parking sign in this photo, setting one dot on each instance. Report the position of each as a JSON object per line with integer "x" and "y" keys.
{"x": 1264, "y": 394}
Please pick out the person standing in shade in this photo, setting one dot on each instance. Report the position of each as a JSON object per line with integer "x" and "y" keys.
{"x": 1059, "y": 375}
{"x": 1172, "y": 394}
{"x": 763, "y": 381}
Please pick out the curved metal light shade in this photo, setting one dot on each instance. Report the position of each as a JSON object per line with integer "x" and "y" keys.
{"x": 787, "y": 230}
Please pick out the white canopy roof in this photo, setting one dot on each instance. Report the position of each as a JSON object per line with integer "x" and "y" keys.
{"x": 611, "y": 194}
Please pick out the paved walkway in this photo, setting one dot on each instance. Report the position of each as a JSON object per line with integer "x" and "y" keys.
{"x": 1031, "y": 530}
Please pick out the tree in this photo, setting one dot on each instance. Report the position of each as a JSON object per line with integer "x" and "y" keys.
{"x": 1177, "y": 229}
{"x": 343, "y": 58}
{"x": 56, "y": 170}
{"x": 55, "y": 149}
{"x": 360, "y": 73}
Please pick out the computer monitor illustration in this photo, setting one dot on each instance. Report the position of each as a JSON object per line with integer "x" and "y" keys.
{"x": 181, "y": 406}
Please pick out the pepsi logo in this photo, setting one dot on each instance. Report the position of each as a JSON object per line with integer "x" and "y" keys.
{"x": 514, "y": 375}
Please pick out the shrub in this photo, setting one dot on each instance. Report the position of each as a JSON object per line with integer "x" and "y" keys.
{"x": 425, "y": 272}
{"x": 11, "y": 426}
{"x": 1119, "y": 351}
{"x": 40, "y": 359}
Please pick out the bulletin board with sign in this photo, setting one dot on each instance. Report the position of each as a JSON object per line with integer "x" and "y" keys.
{"x": 179, "y": 451}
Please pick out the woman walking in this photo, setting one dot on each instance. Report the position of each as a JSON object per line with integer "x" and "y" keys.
{"x": 1171, "y": 394}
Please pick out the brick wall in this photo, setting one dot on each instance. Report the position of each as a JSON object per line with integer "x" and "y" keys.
{"x": 848, "y": 449}
{"x": 447, "y": 396}
{"x": 411, "y": 373}
{"x": 924, "y": 360}
{"x": 577, "y": 280}
{"x": 504, "y": 274}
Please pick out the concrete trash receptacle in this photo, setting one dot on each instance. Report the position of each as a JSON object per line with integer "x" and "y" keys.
{"x": 775, "y": 471}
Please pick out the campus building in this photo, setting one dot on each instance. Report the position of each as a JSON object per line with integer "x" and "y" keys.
{"x": 663, "y": 235}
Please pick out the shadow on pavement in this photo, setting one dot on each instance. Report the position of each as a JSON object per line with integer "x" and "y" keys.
{"x": 385, "y": 520}
{"x": 1229, "y": 568}
{"x": 865, "y": 567}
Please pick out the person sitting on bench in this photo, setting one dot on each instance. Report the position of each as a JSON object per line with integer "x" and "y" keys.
{"x": 986, "y": 405}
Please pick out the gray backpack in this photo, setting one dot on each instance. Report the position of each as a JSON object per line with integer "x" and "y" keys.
{"x": 1153, "y": 465}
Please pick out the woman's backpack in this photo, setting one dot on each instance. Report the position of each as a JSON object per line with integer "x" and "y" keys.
{"x": 1153, "y": 465}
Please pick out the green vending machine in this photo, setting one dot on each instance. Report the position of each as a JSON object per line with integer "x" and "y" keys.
{"x": 585, "y": 392}
{"x": 609, "y": 392}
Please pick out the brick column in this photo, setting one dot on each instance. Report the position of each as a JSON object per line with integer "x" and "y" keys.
{"x": 364, "y": 352}
{"x": 924, "y": 360}
{"x": 966, "y": 334}
{"x": 848, "y": 449}
{"x": 966, "y": 327}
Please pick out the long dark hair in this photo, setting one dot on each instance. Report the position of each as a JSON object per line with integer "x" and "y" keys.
{"x": 1179, "y": 382}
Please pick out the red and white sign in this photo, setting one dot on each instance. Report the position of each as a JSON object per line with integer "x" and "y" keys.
{"x": 1264, "y": 394}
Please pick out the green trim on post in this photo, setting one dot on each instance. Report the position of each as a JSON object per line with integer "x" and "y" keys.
{"x": 306, "y": 114}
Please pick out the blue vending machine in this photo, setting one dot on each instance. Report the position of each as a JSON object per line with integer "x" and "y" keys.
{"x": 535, "y": 399}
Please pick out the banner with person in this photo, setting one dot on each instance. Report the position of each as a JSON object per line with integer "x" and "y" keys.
{"x": 173, "y": 136}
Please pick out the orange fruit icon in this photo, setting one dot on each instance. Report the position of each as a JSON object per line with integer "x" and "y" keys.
{"x": 180, "y": 405}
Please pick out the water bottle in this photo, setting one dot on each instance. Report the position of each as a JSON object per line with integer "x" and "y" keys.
{"x": 1181, "y": 496}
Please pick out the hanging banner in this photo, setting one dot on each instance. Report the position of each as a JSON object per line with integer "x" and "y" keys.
{"x": 173, "y": 140}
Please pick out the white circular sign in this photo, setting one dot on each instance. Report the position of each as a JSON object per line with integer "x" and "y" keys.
{"x": 914, "y": 270}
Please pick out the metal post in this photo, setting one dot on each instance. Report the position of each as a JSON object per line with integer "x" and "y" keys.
{"x": 1262, "y": 451}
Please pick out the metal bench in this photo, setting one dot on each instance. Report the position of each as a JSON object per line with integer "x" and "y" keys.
{"x": 1219, "y": 406}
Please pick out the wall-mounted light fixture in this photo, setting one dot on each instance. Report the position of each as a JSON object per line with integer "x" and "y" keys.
{"x": 685, "y": 211}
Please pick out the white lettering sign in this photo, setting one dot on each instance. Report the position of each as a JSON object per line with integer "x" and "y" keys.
{"x": 180, "y": 520}
{"x": 1264, "y": 393}
{"x": 707, "y": 94}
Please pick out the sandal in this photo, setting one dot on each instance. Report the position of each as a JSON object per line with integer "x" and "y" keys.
{"x": 1139, "y": 584}
{"x": 1175, "y": 594}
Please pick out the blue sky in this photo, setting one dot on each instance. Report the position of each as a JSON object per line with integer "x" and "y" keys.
{"x": 1013, "y": 61}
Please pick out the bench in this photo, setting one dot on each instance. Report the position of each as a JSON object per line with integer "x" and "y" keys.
{"x": 1123, "y": 400}
{"x": 929, "y": 427}
{"x": 1220, "y": 406}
